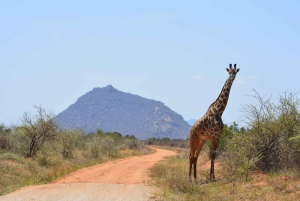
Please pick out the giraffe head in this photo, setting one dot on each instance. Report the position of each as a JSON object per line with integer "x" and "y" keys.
{"x": 232, "y": 71}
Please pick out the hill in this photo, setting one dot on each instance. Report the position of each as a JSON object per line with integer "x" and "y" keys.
{"x": 111, "y": 110}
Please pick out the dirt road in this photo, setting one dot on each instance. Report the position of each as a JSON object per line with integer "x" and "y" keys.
{"x": 124, "y": 179}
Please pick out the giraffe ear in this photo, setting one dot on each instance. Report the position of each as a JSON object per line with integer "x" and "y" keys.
{"x": 238, "y": 70}
{"x": 227, "y": 70}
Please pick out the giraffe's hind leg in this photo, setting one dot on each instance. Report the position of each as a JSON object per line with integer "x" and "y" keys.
{"x": 194, "y": 157}
{"x": 199, "y": 148}
{"x": 193, "y": 145}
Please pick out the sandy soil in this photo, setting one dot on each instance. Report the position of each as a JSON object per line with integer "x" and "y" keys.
{"x": 123, "y": 179}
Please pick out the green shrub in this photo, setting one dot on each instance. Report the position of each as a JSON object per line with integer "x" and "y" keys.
{"x": 296, "y": 141}
{"x": 240, "y": 157}
{"x": 12, "y": 157}
{"x": 5, "y": 138}
{"x": 270, "y": 141}
{"x": 135, "y": 144}
{"x": 68, "y": 140}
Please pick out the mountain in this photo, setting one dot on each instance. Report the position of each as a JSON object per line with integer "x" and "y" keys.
{"x": 191, "y": 121}
{"x": 111, "y": 110}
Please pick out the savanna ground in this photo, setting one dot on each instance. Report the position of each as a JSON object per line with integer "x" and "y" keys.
{"x": 171, "y": 176}
{"x": 123, "y": 179}
{"x": 17, "y": 171}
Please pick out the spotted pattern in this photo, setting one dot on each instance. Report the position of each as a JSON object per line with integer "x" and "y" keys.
{"x": 210, "y": 126}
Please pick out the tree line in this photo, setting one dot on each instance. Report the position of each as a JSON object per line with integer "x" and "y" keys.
{"x": 39, "y": 134}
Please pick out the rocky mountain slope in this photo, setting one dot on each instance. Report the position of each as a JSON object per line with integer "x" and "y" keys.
{"x": 111, "y": 110}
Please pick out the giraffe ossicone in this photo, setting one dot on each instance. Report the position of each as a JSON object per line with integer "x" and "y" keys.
{"x": 210, "y": 126}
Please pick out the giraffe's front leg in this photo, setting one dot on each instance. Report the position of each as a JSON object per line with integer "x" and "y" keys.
{"x": 214, "y": 146}
{"x": 192, "y": 156}
{"x": 212, "y": 166}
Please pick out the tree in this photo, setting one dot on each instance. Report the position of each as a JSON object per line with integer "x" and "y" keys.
{"x": 37, "y": 130}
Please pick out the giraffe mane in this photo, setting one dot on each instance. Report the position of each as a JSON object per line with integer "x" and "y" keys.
{"x": 218, "y": 96}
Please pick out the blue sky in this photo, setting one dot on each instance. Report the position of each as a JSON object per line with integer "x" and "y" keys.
{"x": 53, "y": 52}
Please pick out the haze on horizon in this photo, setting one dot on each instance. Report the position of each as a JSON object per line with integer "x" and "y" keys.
{"x": 176, "y": 52}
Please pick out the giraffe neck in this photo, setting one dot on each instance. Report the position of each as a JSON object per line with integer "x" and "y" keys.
{"x": 220, "y": 104}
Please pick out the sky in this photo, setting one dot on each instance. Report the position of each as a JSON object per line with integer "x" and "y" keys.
{"x": 176, "y": 52}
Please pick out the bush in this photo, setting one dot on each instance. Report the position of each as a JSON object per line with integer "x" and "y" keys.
{"x": 135, "y": 144}
{"x": 270, "y": 141}
{"x": 227, "y": 134}
{"x": 272, "y": 125}
{"x": 110, "y": 146}
{"x": 168, "y": 142}
{"x": 93, "y": 146}
{"x": 5, "y": 141}
{"x": 296, "y": 141}
{"x": 37, "y": 130}
{"x": 240, "y": 157}
{"x": 68, "y": 140}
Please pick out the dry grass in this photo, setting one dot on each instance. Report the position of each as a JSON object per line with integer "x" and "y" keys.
{"x": 16, "y": 171}
{"x": 171, "y": 175}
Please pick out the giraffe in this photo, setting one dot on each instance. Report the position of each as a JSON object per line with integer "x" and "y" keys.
{"x": 210, "y": 126}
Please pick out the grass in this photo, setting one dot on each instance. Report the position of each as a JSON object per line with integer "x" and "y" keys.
{"x": 171, "y": 176}
{"x": 17, "y": 171}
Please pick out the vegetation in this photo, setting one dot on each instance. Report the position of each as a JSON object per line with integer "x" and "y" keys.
{"x": 171, "y": 176}
{"x": 165, "y": 141}
{"x": 36, "y": 130}
{"x": 272, "y": 126}
{"x": 38, "y": 152}
{"x": 259, "y": 162}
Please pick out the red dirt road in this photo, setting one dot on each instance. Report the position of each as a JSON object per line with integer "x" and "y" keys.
{"x": 123, "y": 179}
